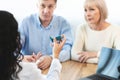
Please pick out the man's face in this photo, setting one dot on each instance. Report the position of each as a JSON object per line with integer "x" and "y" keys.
{"x": 46, "y": 9}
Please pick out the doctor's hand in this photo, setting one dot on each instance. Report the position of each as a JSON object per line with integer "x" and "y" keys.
{"x": 57, "y": 46}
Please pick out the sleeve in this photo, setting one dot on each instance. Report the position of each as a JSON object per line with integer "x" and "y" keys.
{"x": 117, "y": 40}
{"x": 78, "y": 43}
{"x": 30, "y": 72}
{"x": 54, "y": 71}
{"x": 65, "y": 52}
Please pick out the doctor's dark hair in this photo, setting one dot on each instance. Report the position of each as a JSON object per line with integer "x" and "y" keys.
{"x": 10, "y": 47}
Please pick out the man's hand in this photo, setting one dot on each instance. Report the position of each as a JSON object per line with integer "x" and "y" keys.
{"x": 44, "y": 62}
{"x": 29, "y": 58}
{"x": 32, "y": 58}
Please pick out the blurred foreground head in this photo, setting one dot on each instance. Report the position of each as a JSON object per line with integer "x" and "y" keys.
{"x": 10, "y": 55}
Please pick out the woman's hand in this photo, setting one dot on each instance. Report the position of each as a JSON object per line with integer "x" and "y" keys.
{"x": 84, "y": 56}
{"x": 57, "y": 46}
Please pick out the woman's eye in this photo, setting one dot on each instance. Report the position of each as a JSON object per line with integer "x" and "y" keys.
{"x": 85, "y": 10}
{"x": 92, "y": 9}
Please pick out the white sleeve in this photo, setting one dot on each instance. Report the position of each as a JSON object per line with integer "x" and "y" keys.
{"x": 55, "y": 70}
{"x": 78, "y": 43}
{"x": 30, "y": 71}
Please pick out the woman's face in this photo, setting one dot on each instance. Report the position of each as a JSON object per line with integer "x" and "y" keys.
{"x": 92, "y": 14}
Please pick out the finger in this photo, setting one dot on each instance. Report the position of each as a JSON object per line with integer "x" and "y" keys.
{"x": 40, "y": 65}
{"x": 31, "y": 59}
{"x": 79, "y": 53}
{"x": 28, "y": 59}
{"x": 46, "y": 65}
{"x": 54, "y": 40}
{"x": 33, "y": 55}
{"x": 81, "y": 59}
{"x": 64, "y": 40}
{"x": 41, "y": 61}
{"x": 62, "y": 35}
{"x": 39, "y": 54}
{"x": 85, "y": 59}
{"x": 43, "y": 65}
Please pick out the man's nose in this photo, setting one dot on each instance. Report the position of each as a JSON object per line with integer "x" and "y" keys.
{"x": 46, "y": 10}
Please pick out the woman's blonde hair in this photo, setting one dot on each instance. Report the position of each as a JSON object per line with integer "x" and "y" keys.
{"x": 101, "y": 5}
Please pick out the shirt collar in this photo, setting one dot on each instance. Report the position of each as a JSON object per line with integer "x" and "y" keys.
{"x": 49, "y": 26}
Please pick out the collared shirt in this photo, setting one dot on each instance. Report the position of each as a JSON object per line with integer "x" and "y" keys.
{"x": 30, "y": 71}
{"x": 36, "y": 38}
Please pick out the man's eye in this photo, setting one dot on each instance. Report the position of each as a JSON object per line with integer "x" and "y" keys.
{"x": 42, "y": 6}
{"x": 51, "y": 7}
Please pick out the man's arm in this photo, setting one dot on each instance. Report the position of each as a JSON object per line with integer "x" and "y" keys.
{"x": 66, "y": 50}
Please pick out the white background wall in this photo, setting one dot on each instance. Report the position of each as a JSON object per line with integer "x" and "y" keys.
{"x": 72, "y": 10}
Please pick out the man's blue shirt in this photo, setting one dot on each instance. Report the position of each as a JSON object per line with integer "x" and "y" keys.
{"x": 36, "y": 38}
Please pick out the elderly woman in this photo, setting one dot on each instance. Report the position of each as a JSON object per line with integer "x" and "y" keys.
{"x": 95, "y": 33}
